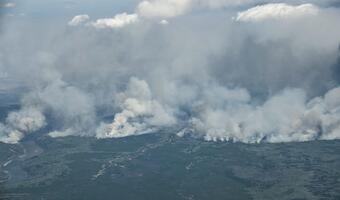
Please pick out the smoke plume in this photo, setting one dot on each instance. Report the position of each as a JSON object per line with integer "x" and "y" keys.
{"x": 221, "y": 70}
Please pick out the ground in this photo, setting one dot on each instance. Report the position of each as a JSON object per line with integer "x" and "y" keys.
{"x": 164, "y": 166}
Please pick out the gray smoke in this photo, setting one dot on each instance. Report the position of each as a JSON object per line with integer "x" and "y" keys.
{"x": 220, "y": 69}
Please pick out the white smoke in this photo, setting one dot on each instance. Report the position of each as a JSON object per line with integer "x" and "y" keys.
{"x": 140, "y": 113}
{"x": 70, "y": 107}
{"x": 26, "y": 120}
{"x": 285, "y": 117}
{"x": 203, "y": 73}
{"x": 226, "y": 114}
{"x": 9, "y": 136}
{"x": 22, "y": 122}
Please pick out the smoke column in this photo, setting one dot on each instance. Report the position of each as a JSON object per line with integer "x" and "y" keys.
{"x": 221, "y": 70}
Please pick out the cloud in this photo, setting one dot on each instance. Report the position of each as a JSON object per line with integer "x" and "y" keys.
{"x": 8, "y": 5}
{"x": 118, "y": 21}
{"x": 217, "y": 4}
{"x": 276, "y": 11}
{"x": 78, "y": 20}
{"x": 164, "y": 22}
{"x": 174, "y": 8}
{"x": 163, "y": 8}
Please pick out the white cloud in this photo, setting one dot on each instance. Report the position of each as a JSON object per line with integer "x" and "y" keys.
{"x": 276, "y": 11}
{"x": 9, "y": 5}
{"x": 164, "y": 22}
{"x": 215, "y": 4}
{"x": 163, "y": 8}
{"x": 173, "y": 8}
{"x": 118, "y": 21}
{"x": 78, "y": 20}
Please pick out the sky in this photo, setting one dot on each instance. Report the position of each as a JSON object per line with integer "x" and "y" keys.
{"x": 221, "y": 70}
{"x": 62, "y": 9}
